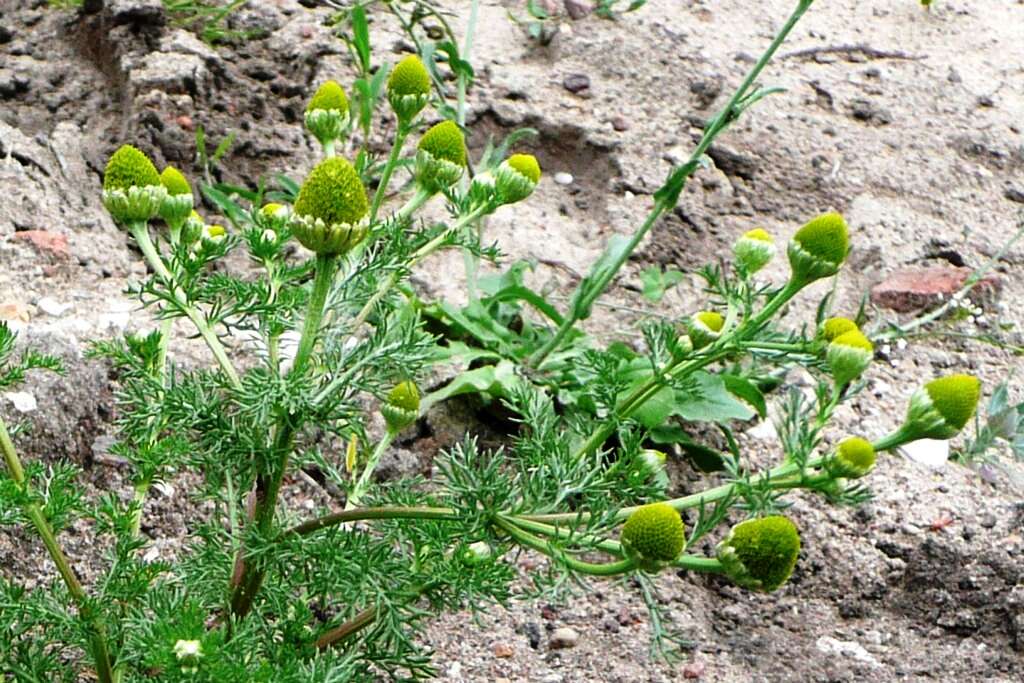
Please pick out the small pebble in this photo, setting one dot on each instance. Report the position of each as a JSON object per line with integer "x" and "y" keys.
{"x": 563, "y": 178}
{"x": 576, "y": 83}
{"x": 693, "y": 670}
{"x": 620, "y": 124}
{"x": 52, "y": 307}
{"x": 503, "y": 650}
{"x": 563, "y": 638}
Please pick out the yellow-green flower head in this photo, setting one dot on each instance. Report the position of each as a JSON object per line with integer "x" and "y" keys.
{"x": 174, "y": 182}
{"x": 332, "y": 201}
{"x": 177, "y": 205}
{"x": 854, "y": 458}
{"x": 516, "y": 177}
{"x": 848, "y": 356}
{"x": 408, "y": 88}
{"x": 402, "y": 406}
{"x": 273, "y": 217}
{"x": 327, "y": 114}
{"x": 214, "y": 234}
{"x": 129, "y": 167}
{"x": 834, "y": 327}
{"x": 941, "y": 408}
{"x": 754, "y": 250}
{"x": 132, "y": 191}
{"x": 440, "y": 156}
{"x": 760, "y": 554}
{"x": 819, "y": 248}
{"x": 704, "y": 328}
{"x": 654, "y": 536}
{"x": 329, "y": 96}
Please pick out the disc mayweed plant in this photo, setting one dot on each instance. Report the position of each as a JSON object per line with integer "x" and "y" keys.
{"x": 316, "y": 353}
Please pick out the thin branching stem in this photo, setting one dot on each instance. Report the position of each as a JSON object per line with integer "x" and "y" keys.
{"x": 100, "y": 650}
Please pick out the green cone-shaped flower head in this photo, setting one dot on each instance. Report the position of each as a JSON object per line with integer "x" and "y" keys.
{"x": 516, "y": 177}
{"x": 819, "y": 248}
{"x": 704, "y": 328}
{"x": 848, "y": 356}
{"x": 654, "y": 536}
{"x": 331, "y": 205}
{"x": 177, "y": 205}
{"x": 327, "y": 114}
{"x": 941, "y": 408}
{"x": 854, "y": 458}
{"x": 402, "y": 406}
{"x": 760, "y": 553}
{"x": 440, "y": 156}
{"x": 408, "y": 88}
{"x": 174, "y": 182}
{"x": 132, "y": 191}
{"x": 754, "y": 250}
{"x": 833, "y": 327}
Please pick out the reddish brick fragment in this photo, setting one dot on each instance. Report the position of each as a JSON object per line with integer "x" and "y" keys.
{"x": 913, "y": 289}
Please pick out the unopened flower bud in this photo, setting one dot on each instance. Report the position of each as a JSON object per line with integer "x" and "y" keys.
{"x": 177, "y": 205}
{"x": 848, "y": 356}
{"x": 132, "y": 191}
{"x": 214, "y": 234}
{"x": 516, "y": 177}
{"x": 854, "y": 458}
{"x": 833, "y": 327}
{"x": 760, "y": 554}
{"x": 440, "y": 157}
{"x": 329, "y": 210}
{"x": 654, "y": 536}
{"x": 651, "y": 464}
{"x": 476, "y": 554}
{"x": 819, "y": 248}
{"x": 408, "y": 88}
{"x": 754, "y": 250}
{"x": 188, "y": 653}
{"x": 941, "y": 408}
{"x": 402, "y": 406}
{"x": 327, "y": 114}
{"x": 704, "y": 328}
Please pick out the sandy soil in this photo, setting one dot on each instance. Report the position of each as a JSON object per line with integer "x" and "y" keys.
{"x": 909, "y": 122}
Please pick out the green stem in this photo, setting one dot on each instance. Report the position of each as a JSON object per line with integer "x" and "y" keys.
{"x": 143, "y": 485}
{"x": 328, "y": 149}
{"x": 467, "y": 50}
{"x": 100, "y": 651}
{"x": 530, "y": 541}
{"x": 415, "y": 202}
{"x": 140, "y": 232}
{"x": 894, "y": 440}
{"x": 715, "y": 126}
{"x": 421, "y": 253}
{"x": 595, "y": 288}
{"x": 267, "y": 488}
{"x": 325, "y": 265}
{"x": 349, "y": 628}
{"x": 389, "y": 168}
{"x": 371, "y": 464}
{"x": 690, "y": 562}
{"x": 640, "y": 396}
{"x": 388, "y": 512}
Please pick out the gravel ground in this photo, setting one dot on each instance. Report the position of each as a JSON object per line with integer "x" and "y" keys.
{"x": 908, "y": 121}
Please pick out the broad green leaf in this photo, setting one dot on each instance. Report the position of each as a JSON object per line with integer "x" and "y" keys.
{"x": 491, "y": 381}
{"x": 747, "y": 390}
